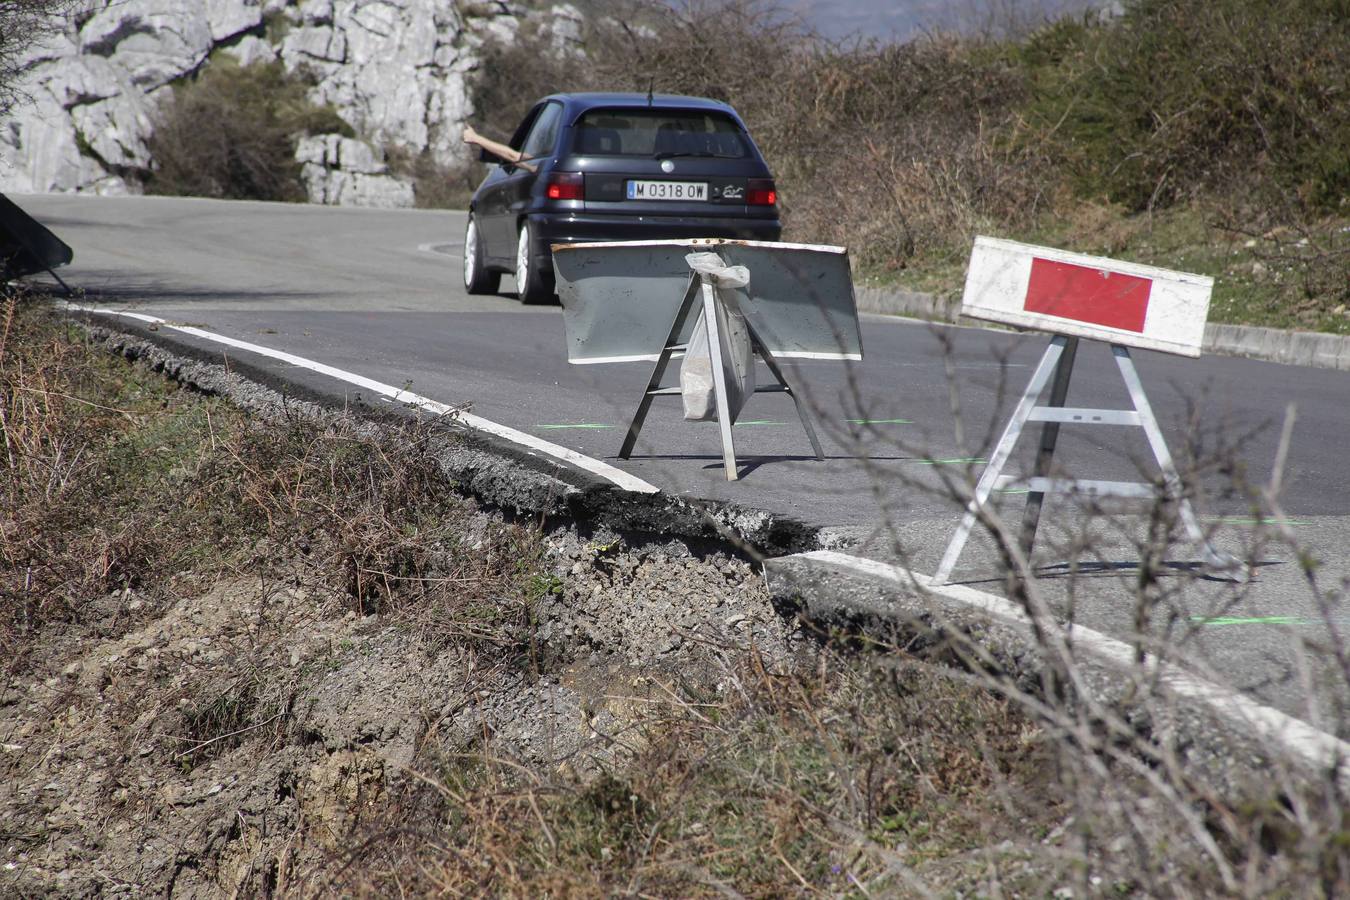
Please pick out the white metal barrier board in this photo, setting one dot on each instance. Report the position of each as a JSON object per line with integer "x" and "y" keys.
{"x": 1087, "y": 296}
{"x": 619, "y": 298}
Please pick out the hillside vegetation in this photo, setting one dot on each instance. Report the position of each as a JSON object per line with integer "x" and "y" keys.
{"x": 279, "y": 653}
{"x": 231, "y": 131}
{"x": 1207, "y": 135}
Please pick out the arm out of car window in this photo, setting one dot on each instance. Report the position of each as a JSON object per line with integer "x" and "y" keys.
{"x": 503, "y": 152}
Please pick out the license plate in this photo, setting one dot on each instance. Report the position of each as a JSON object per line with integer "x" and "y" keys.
{"x": 667, "y": 190}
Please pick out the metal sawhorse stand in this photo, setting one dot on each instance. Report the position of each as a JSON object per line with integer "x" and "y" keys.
{"x": 1058, "y": 361}
{"x": 701, "y": 285}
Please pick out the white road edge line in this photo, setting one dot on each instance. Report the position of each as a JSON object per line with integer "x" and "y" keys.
{"x": 398, "y": 395}
{"x": 436, "y": 248}
{"x": 1298, "y": 738}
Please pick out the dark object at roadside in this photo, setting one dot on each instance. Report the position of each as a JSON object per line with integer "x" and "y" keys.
{"x": 26, "y": 246}
{"x": 614, "y": 167}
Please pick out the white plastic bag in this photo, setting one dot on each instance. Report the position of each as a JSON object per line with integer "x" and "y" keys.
{"x": 738, "y": 361}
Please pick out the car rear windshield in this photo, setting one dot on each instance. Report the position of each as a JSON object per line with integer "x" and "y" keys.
{"x": 660, "y": 133}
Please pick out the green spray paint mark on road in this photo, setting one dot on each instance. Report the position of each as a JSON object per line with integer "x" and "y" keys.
{"x": 1247, "y": 520}
{"x": 957, "y": 461}
{"x": 1249, "y": 620}
{"x": 575, "y": 425}
{"x": 557, "y": 426}
{"x": 1264, "y": 620}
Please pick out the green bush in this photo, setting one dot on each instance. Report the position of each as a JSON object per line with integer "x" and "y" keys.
{"x": 23, "y": 25}
{"x": 1179, "y": 98}
{"x": 231, "y": 132}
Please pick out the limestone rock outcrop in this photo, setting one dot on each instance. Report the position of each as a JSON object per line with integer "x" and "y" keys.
{"x": 394, "y": 70}
{"x": 342, "y": 171}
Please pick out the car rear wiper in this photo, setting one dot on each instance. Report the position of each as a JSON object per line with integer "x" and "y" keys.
{"x": 671, "y": 154}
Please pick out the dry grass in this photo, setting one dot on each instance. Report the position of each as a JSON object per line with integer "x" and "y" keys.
{"x": 835, "y": 777}
{"x": 118, "y": 480}
{"x": 841, "y": 775}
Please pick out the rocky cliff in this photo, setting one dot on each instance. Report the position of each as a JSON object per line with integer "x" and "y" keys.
{"x": 394, "y": 70}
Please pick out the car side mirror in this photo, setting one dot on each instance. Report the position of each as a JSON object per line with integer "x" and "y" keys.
{"x": 487, "y": 156}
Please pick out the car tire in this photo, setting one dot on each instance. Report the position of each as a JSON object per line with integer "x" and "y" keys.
{"x": 477, "y": 278}
{"x": 533, "y": 285}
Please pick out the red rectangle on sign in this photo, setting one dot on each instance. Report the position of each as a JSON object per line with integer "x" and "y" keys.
{"x": 1088, "y": 295}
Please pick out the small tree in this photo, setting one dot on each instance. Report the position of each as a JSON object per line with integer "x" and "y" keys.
{"x": 23, "y": 23}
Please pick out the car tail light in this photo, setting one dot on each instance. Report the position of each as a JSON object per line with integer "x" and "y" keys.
{"x": 566, "y": 186}
{"x": 761, "y": 192}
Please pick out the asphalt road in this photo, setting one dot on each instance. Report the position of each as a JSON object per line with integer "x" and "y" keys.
{"x": 378, "y": 293}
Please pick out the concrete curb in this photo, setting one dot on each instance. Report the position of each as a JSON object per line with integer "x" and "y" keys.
{"x": 1295, "y": 348}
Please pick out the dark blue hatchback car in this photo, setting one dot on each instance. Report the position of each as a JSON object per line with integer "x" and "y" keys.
{"x": 614, "y": 167}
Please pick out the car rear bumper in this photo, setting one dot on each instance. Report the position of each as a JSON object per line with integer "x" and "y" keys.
{"x": 576, "y": 228}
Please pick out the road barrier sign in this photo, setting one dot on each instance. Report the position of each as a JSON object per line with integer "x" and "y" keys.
{"x": 618, "y": 297}
{"x": 1075, "y": 296}
{"x": 1087, "y": 296}
{"x": 639, "y": 300}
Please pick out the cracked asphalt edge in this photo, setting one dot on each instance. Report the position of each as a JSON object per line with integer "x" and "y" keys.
{"x": 493, "y": 470}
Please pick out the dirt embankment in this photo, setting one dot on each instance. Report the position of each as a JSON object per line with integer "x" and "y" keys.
{"x": 229, "y": 639}
{"x": 285, "y": 654}
{"x": 238, "y": 737}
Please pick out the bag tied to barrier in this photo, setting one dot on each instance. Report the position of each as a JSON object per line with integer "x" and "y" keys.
{"x": 738, "y": 361}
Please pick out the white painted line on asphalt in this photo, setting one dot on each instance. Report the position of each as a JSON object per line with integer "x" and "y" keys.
{"x": 398, "y": 395}
{"x": 439, "y": 248}
{"x": 1293, "y": 735}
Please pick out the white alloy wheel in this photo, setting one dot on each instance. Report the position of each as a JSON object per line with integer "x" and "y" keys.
{"x": 523, "y": 286}
{"x": 533, "y": 284}
{"x": 470, "y": 253}
{"x": 478, "y": 279}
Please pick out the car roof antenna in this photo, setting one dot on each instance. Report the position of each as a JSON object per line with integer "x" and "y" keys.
{"x": 650, "y": 83}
